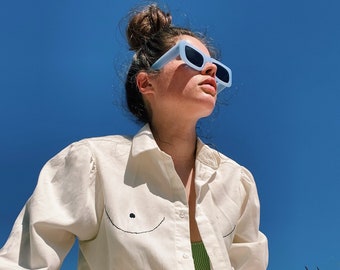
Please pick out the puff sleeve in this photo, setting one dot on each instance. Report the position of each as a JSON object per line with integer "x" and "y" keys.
{"x": 65, "y": 204}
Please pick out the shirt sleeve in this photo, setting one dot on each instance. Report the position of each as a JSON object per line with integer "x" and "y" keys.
{"x": 64, "y": 205}
{"x": 249, "y": 250}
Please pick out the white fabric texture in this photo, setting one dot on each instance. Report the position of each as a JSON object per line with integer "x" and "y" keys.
{"x": 122, "y": 198}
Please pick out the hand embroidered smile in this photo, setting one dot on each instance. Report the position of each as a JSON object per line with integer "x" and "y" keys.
{"x": 132, "y": 215}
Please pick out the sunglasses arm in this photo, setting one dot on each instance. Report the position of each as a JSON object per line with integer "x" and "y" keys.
{"x": 166, "y": 58}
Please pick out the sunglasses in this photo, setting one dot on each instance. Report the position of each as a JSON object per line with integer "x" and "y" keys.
{"x": 195, "y": 59}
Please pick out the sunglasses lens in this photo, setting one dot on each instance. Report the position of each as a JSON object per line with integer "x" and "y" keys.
{"x": 222, "y": 73}
{"x": 194, "y": 56}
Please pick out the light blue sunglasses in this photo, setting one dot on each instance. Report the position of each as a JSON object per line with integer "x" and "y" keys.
{"x": 195, "y": 59}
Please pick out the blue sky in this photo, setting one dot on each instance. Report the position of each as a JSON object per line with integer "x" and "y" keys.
{"x": 61, "y": 80}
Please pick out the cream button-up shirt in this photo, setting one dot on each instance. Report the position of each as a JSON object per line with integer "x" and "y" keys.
{"x": 123, "y": 200}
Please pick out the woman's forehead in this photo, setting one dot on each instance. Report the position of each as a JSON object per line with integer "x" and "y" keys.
{"x": 196, "y": 43}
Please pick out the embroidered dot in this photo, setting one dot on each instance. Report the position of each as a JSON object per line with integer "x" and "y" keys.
{"x": 132, "y": 215}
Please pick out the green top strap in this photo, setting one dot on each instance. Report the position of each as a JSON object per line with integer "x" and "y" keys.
{"x": 200, "y": 256}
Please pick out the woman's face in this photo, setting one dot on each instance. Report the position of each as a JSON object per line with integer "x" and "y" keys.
{"x": 183, "y": 92}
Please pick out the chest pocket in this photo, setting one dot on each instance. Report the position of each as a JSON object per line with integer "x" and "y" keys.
{"x": 227, "y": 214}
{"x": 134, "y": 206}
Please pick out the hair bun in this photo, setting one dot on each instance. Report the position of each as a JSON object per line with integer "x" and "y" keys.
{"x": 144, "y": 24}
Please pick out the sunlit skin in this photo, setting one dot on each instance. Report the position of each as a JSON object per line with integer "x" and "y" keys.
{"x": 183, "y": 93}
{"x": 177, "y": 97}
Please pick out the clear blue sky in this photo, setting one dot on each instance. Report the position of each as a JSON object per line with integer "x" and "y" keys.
{"x": 61, "y": 80}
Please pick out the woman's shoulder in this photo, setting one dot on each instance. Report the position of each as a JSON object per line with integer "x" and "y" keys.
{"x": 230, "y": 165}
{"x": 108, "y": 139}
{"x": 96, "y": 145}
{"x": 105, "y": 143}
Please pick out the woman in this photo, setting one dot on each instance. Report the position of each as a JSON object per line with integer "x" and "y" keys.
{"x": 160, "y": 200}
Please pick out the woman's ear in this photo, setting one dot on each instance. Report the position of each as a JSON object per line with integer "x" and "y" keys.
{"x": 143, "y": 83}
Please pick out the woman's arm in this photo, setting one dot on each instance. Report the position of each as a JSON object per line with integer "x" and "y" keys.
{"x": 62, "y": 207}
{"x": 249, "y": 250}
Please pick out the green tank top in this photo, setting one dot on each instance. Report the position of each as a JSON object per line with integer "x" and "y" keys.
{"x": 200, "y": 256}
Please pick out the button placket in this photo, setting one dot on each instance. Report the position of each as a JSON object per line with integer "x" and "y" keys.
{"x": 183, "y": 246}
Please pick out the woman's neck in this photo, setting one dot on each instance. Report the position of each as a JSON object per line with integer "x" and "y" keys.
{"x": 178, "y": 141}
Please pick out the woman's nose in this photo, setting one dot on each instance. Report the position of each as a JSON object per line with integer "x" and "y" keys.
{"x": 209, "y": 69}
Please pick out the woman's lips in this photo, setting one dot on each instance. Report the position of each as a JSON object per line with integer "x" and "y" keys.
{"x": 209, "y": 86}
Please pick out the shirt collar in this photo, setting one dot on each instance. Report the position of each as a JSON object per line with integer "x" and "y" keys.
{"x": 207, "y": 155}
{"x": 144, "y": 141}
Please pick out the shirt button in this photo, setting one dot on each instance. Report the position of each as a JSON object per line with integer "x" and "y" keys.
{"x": 182, "y": 214}
{"x": 185, "y": 256}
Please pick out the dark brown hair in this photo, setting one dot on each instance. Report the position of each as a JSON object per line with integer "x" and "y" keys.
{"x": 150, "y": 34}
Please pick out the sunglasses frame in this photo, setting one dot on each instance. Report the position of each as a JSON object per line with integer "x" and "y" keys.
{"x": 179, "y": 49}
